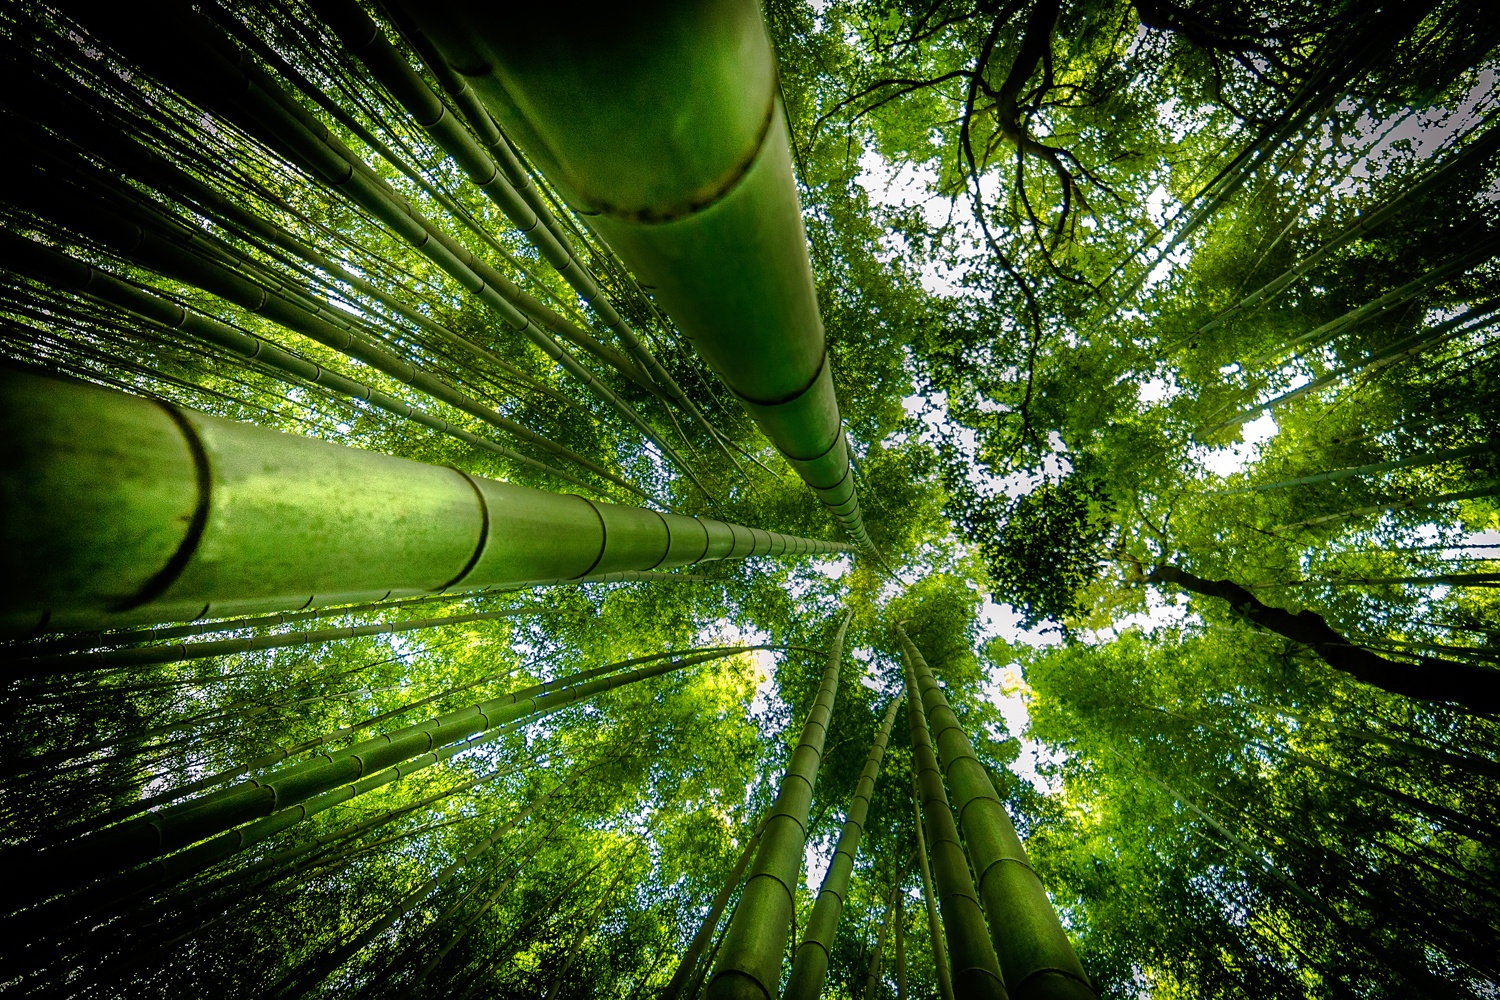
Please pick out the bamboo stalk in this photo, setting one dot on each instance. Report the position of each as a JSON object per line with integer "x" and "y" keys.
{"x": 282, "y": 796}
{"x": 754, "y": 946}
{"x": 810, "y": 964}
{"x": 179, "y": 652}
{"x": 362, "y": 35}
{"x": 975, "y": 972}
{"x": 1334, "y": 475}
{"x": 688, "y": 963}
{"x": 126, "y": 511}
{"x": 935, "y": 933}
{"x": 707, "y": 215}
{"x": 1034, "y": 952}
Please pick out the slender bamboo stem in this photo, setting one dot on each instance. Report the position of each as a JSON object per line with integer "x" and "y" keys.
{"x": 754, "y": 948}
{"x": 810, "y": 964}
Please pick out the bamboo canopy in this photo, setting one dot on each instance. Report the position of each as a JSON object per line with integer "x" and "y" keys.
{"x": 122, "y": 511}
{"x": 665, "y": 129}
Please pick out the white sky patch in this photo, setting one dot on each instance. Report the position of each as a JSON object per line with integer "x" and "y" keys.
{"x": 816, "y": 857}
{"x": 1008, "y": 692}
{"x": 1160, "y": 612}
{"x": 1158, "y": 390}
{"x": 914, "y": 185}
{"x": 1233, "y": 458}
{"x": 833, "y": 569}
{"x": 1004, "y": 621}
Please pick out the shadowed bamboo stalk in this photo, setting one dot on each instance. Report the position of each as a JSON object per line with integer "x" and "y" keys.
{"x": 282, "y": 796}
{"x": 60, "y": 271}
{"x": 89, "y": 640}
{"x": 874, "y": 973}
{"x": 1485, "y": 144}
{"x": 901, "y": 946}
{"x": 810, "y": 965}
{"x": 975, "y": 972}
{"x": 144, "y": 235}
{"x": 181, "y": 651}
{"x": 286, "y": 753}
{"x": 1034, "y": 953}
{"x": 754, "y": 947}
{"x": 365, "y": 38}
{"x": 702, "y": 204}
{"x": 127, "y": 511}
{"x": 226, "y": 80}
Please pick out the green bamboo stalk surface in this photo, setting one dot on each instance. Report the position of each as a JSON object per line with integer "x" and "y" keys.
{"x": 1034, "y": 953}
{"x": 754, "y": 947}
{"x": 810, "y": 965}
{"x": 125, "y": 511}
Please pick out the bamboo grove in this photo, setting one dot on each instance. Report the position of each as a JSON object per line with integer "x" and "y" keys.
{"x": 746, "y": 501}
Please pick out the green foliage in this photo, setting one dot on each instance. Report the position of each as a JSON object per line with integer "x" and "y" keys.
{"x": 1049, "y": 387}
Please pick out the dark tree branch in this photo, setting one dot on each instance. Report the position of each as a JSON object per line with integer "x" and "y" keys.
{"x": 1431, "y": 679}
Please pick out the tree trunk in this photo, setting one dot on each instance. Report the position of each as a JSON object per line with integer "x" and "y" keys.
{"x": 1034, "y": 952}
{"x": 810, "y": 964}
{"x": 1475, "y": 688}
{"x": 754, "y": 948}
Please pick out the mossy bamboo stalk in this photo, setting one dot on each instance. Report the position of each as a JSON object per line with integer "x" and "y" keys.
{"x": 810, "y": 965}
{"x": 1033, "y": 950}
{"x": 126, "y": 511}
{"x": 282, "y": 796}
{"x": 702, "y": 204}
{"x": 754, "y": 947}
{"x": 975, "y": 971}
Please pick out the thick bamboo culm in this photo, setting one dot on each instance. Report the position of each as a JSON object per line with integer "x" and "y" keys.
{"x": 122, "y": 510}
{"x": 1034, "y": 952}
{"x": 700, "y": 203}
{"x": 975, "y": 971}
{"x": 754, "y": 948}
{"x": 810, "y": 965}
